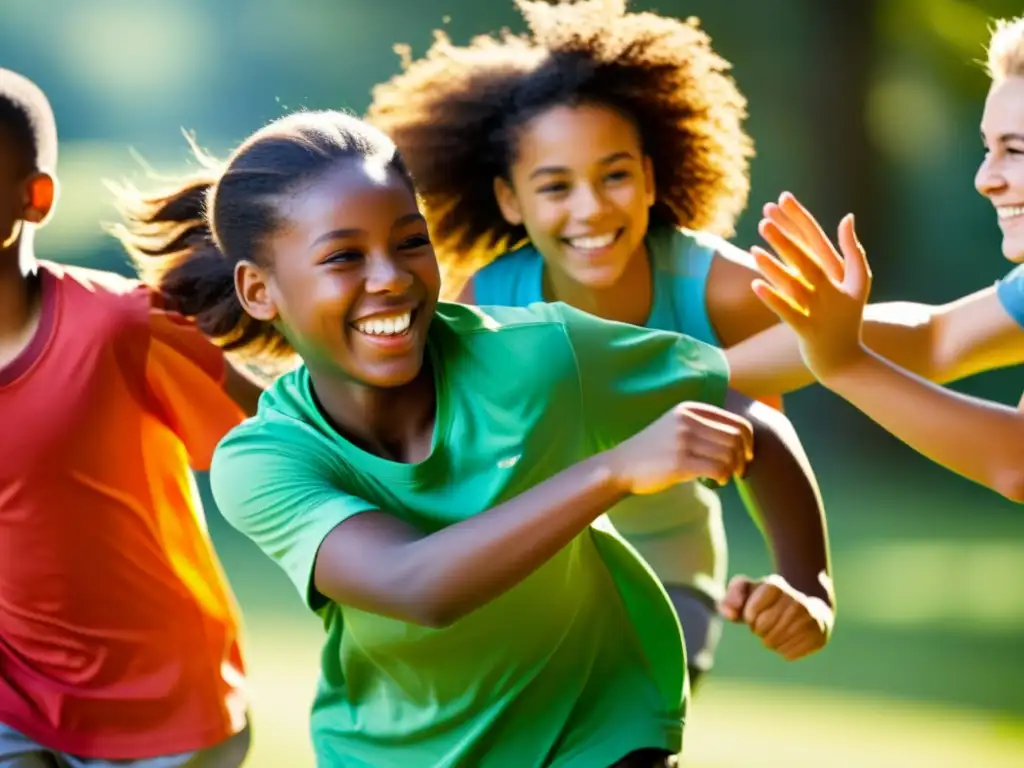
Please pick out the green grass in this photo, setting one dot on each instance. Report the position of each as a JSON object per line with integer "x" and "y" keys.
{"x": 735, "y": 724}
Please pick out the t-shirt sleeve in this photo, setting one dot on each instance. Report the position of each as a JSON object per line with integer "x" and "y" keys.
{"x": 1010, "y": 291}
{"x": 275, "y": 490}
{"x": 184, "y": 375}
{"x": 630, "y": 376}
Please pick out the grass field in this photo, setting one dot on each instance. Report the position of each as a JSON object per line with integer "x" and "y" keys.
{"x": 735, "y": 724}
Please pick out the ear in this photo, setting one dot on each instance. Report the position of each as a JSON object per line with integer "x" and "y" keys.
{"x": 40, "y": 196}
{"x": 508, "y": 203}
{"x": 649, "y": 186}
{"x": 254, "y": 292}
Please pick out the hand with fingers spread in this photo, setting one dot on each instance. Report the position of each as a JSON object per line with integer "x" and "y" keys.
{"x": 693, "y": 440}
{"x": 819, "y": 293}
{"x": 788, "y": 622}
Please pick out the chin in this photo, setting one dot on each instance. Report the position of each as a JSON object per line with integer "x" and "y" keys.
{"x": 1013, "y": 250}
{"x": 393, "y": 375}
{"x": 599, "y": 278}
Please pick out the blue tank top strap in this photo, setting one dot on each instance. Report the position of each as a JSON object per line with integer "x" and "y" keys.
{"x": 1010, "y": 291}
{"x": 514, "y": 279}
{"x": 682, "y": 261}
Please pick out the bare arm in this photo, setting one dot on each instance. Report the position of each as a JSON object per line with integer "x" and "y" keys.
{"x": 942, "y": 344}
{"x": 974, "y": 438}
{"x": 764, "y": 355}
{"x": 781, "y": 494}
{"x": 980, "y": 440}
{"x": 435, "y": 579}
{"x": 375, "y": 562}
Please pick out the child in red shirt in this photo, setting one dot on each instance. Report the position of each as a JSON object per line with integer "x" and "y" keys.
{"x": 119, "y": 636}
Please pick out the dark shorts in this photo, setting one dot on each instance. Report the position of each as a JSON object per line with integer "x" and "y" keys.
{"x": 702, "y": 628}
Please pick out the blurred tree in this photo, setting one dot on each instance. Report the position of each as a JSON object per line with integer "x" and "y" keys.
{"x": 949, "y": 35}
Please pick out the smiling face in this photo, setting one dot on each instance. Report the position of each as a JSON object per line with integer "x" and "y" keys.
{"x": 350, "y": 277}
{"x": 582, "y": 187}
{"x": 1001, "y": 175}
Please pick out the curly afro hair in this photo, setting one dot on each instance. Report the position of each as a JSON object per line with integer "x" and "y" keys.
{"x": 454, "y": 115}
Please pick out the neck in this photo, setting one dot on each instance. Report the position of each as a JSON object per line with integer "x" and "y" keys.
{"x": 395, "y": 423}
{"x": 19, "y": 291}
{"x": 627, "y": 300}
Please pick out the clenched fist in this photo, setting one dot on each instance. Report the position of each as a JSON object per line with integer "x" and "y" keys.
{"x": 692, "y": 440}
{"x": 788, "y": 622}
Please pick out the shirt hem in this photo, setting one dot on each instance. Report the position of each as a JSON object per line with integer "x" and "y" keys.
{"x": 140, "y": 747}
{"x": 608, "y": 751}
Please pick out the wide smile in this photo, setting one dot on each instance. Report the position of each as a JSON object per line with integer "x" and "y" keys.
{"x": 1009, "y": 213}
{"x": 390, "y": 330}
{"x": 594, "y": 244}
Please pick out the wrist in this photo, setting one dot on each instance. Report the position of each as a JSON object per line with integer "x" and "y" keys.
{"x": 607, "y": 469}
{"x": 851, "y": 368}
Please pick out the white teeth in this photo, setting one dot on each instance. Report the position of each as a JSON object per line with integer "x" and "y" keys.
{"x": 394, "y": 325}
{"x": 593, "y": 243}
{"x": 1009, "y": 211}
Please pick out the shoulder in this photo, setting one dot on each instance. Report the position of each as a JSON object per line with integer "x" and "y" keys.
{"x": 101, "y": 307}
{"x": 101, "y": 284}
{"x": 506, "y": 345}
{"x": 509, "y": 279}
{"x": 466, "y": 320}
{"x": 733, "y": 308}
{"x": 1014, "y": 279}
{"x": 1010, "y": 291}
{"x": 96, "y": 293}
{"x": 283, "y": 434}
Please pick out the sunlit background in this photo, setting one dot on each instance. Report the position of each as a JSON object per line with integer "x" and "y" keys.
{"x": 864, "y": 106}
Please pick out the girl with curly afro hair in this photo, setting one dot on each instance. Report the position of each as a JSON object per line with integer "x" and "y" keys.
{"x": 599, "y": 160}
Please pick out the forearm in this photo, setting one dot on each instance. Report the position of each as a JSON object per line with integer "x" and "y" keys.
{"x": 781, "y": 494}
{"x": 770, "y": 363}
{"x": 466, "y": 565}
{"x": 977, "y": 439}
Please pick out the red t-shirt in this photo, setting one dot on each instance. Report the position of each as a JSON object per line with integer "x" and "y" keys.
{"x": 119, "y": 636}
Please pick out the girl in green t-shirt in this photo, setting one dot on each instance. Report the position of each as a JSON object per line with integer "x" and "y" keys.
{"x": 433, "y": 477}
{"x": 597, "y": 160}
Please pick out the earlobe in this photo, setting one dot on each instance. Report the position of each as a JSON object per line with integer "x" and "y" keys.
{"x": 253, "y": 293}
{"x": 40, "y": 196}
{"x": 507, "y": 201}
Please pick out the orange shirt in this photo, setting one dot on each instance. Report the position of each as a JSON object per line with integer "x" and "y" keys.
{"x": 119, "y": 636}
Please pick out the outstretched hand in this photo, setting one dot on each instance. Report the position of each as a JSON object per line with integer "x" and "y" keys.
{"x": 816, "y": 291}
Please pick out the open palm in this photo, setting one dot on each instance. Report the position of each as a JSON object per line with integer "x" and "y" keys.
{"x": 816, "y": 291}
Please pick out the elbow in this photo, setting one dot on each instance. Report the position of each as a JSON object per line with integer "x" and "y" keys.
{"x": 435, "y": 606}
{"x": 1010, "y": 485}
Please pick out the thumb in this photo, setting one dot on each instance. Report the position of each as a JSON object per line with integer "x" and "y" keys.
{"x": 857, "y": 279}
{"x": 736, "y": 596}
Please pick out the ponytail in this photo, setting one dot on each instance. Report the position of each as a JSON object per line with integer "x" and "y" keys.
{"x": 168, "y": 239}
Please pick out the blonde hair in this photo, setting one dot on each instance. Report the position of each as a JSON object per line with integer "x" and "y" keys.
{"x": 1006, "y": 49}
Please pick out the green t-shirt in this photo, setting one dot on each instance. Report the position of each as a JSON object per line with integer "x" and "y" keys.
{"x": 574, "y": 667}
